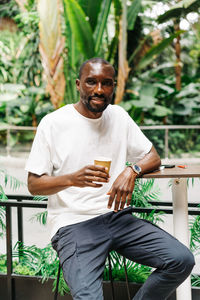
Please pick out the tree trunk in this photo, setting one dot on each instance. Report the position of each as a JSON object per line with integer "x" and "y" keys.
{"x": 123, "y": 69}
{"x": 178, "y": 64}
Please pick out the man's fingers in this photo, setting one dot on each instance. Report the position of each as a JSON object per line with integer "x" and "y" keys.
{"x": 117, "y": 201}
{"x": 123, "y": 201}
{"x": 111, "y": 198}
{"x": 94, "y": 169}
{"x": 109, "y": 192}
{"x": 129, "y": 198}
{"x": 92, "y": 184}
{"x": 95, "y": 178}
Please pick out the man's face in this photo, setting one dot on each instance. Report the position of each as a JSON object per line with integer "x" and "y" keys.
{"x": 96, "y": 86}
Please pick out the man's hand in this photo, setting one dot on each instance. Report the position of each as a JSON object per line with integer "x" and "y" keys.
{"x": 122, "y": 189}
{"x": 87, "y": 175}
{"x": 49, "y": 185}
{"x": 123, "y": 186}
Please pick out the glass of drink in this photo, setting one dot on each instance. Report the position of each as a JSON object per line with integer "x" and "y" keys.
{"x": 103, "y": 161}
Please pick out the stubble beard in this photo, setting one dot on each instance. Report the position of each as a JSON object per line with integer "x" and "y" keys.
{"x": 97, "y": 109}
{"x": 87, "y": 100}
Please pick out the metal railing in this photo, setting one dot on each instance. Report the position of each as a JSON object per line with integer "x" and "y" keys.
{"x": 166, "y": 128}
{"x": 21, "y": 201}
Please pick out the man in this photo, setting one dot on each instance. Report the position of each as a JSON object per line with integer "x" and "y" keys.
{"x": 88, "y": 210}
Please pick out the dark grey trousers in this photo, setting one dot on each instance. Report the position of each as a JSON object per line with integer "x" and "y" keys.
{"x": 83, "y": 247}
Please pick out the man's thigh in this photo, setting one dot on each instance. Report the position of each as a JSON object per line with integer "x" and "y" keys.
{"x": 82, "y": 249}
{"x": 145, "y": 243}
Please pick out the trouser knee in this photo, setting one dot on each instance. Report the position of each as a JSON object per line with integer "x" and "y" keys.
{"x": 183, "y": 263}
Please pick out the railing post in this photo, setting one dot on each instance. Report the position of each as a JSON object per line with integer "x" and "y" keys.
{"x": 10, "y": 287}
{"x": 20, "y": 228}
{"x": 7, "y": 133}
{"x": 166, "y": 142}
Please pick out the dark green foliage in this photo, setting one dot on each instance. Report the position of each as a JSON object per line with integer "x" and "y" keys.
{"x": 144, "y": 191}
{"x": 9, "y": 9}
{"x": 195, "y": 280}
{"x": 33, "y": 261}
{"x": 40, "y": 262}
{"x": 195, "y": 234}
{"x": 136, "y": 272}
{"x": 180, "y": 10}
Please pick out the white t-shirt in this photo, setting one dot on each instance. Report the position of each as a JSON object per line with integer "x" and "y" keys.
{"x": 66, "y": 141}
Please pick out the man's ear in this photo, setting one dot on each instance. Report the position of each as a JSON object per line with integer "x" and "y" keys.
{"x": 78, "y": 84}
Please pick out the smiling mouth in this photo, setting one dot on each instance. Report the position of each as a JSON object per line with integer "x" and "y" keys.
{"x": 97, "y": 100}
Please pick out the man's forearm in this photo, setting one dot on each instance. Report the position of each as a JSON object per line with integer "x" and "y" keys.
{"x": 151, "y": 161}
{"x": 47, "y": 185}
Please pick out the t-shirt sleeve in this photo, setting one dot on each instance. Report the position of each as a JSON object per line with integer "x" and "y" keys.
{"x": 138, "y": 143}
{"x": 39, "y": 161}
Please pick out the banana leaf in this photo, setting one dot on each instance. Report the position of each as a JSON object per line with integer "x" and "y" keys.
{"x": 80, "y": 28}
{"x": 91, "y": 8}
{"x": 132, "y": 13}
{"x": 101, "y": 24}
{"x": 155, "y": 50}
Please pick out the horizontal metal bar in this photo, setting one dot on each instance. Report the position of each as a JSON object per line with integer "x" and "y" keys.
{"x": 165, "y": 210}
{"x": 156, "y": 203}
{"x": 36, "y": 204}
{"x": 13, "y": 127}
{"x": 22, "y": 197}
{"x": 23, "y": 204}
{"x": 152, "y": 127}
{"x": 164, "y": 203}
{"x": 155, "y": 127}
{"x": 149, "y": 210}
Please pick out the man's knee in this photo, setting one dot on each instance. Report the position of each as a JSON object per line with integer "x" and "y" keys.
{"x": 183, "y": 262}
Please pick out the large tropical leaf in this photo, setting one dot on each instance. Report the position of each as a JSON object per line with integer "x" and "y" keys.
{"x": 132, "y": 13}
{"x": 112, "y": 49}
{"x": 161, "y": 111}
{"x": 101, "y": 24}
{"x": 155, "y": 50}
{"x": 182, "y": 8}
{"x": 51, "y": 47}
{"x": 91, "y": 9}
{"x": 80, "y": 27}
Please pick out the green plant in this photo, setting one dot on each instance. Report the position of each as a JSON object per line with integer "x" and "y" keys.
{"x": 34, "y": 261}
{"x": 195, "y": 234}
{"x": 144, "y": 191}
{"x": 135, "y": 272}
{"x": 6, "y": 179}
{"x": 195, "y": 280}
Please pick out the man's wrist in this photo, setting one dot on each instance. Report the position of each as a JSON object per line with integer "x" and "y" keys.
{"x": 135, "y": 168}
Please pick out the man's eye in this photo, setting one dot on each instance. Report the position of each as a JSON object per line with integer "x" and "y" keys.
{"x": 107, "y": 83}
{"x": 91, "y": 82}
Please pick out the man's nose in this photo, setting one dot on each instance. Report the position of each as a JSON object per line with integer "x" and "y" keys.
{"x": 98, "y": 88}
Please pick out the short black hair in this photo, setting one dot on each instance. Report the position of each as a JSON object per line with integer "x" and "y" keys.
{"x": 94, "y": 60}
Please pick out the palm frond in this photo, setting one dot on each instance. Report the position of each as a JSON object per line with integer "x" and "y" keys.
{"x": 40, "y": 217}
{"x": 195, "y": 280}
{"x": 14, "y": 182}
{"x": 40, "y": 198}
{"x": 194, "y": 225}
{"x": 144, "y": 192}
{"x": 136, "y": 272}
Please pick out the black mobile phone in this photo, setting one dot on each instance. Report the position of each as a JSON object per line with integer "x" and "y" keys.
{"x": 168, "y": 166}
